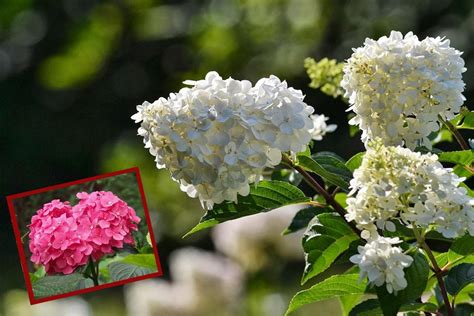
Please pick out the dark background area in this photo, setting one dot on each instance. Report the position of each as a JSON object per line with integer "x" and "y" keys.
{"x": 72, "y": 71}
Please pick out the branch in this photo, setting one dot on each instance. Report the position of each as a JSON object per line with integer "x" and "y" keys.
{"x": 437, "y": 271}
{"x": 318, "y": 188}
{"x": 461, "y": 141}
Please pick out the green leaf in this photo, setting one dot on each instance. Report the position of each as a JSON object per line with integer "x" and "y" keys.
{"x": 467, "y": 122}
{"x": 60, "y": 284}
{"x": 355, "y": 162}
{"x": 311, "y": 165}
{"x": 459, "y": 277}
{"x": 334, "y": 164}
{"x": 349, "y": 301}
{"x": 443, "y": 135}
{"x": 461, "y": 157}
{"x": 267, "y": 195}
{"x": 341, "y": 198}
{"x": 303, "y": 217}
{"x": 142, "y": 260}
{"x": 38, "y": 274}
{"x": 462, "y": 248}
{"x": 327, "y": 237}
{"x": 367, "y": 308}
{"x": 417, "y": 277}
{"x": 464, "y": 310}
{"x": 372, "y": 308}
{"x": 122, "y": 271}
{"x": 335, "y": 286}
{"x": 287, "y": 175}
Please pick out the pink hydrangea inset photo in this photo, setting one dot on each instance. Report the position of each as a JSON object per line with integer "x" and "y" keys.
{"x": 85, "y": 235}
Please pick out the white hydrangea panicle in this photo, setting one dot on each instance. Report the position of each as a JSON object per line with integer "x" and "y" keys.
{"x": 217, "y": 136}
{"x": 397, "y": 184}
{"x": 383, "y": 263}
{"x": 398, "y": 85}
{"x": 321, "y": 128}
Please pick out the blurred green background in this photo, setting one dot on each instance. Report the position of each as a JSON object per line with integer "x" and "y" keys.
{"x": 72, "y": 71}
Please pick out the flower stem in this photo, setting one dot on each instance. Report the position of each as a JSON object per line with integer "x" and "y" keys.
{"x": 94, "y": 267}
{"x": 318, "y": 188}
{"x": 437, "y": 271}
{"x": 455, "y": 133}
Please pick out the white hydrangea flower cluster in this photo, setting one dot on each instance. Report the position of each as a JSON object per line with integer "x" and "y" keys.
{"x": 217, "y": 136}
{"x": 321, "y": 128}
{"x": 395, "y": 183}
{"x": 383, "y": 263}
{"x": 398, "y": 85}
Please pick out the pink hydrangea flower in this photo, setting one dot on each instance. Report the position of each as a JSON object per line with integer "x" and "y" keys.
{"x": 105, "y": 221}
{"x": 63, "y": 238}
{"x": 53, "y": 239}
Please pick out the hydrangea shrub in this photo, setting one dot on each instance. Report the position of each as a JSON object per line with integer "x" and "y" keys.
{"x": 383, "y": 212}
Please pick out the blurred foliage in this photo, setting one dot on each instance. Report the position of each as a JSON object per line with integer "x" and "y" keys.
{"x": 325, "y": 75}
{"x": 71, "y": 72}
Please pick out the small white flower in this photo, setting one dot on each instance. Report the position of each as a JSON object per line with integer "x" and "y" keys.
{"x": 320, "y": 126}
{"x": 383, "y": 263}
{"x": 398, "y": 85}
{"x": 394, "y": 183}
{"x": 218, "y": 136}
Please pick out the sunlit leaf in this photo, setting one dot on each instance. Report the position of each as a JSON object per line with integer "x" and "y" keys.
{"x": 327, "y": 237}
{"x": 335, "y": 286}
{"x": 267, "y": 195}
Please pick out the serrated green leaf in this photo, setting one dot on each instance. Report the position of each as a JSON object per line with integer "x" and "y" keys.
{"x": 303, "y": 217}
{"x": 60, "y": 284}
{"x": 267, "y": 195}
{"x": 355, "y": 161}
{"x": 459, "y": 277}
{"x": 460, "y": 157}
{"x": 327, "y": 237}
{"x": 311, "y": 165}
{"x": 335, "y": 286}
{"x": 142, "y": 260}
{"x": 122, "y": 271}
{"x": 417, "y": 277}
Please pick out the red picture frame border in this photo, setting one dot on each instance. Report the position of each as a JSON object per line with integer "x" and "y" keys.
{"x": 22, "y": 255}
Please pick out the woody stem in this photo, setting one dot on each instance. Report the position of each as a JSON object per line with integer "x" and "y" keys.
{"x": 318, "y": 188}
{"x": 437, "y": 271}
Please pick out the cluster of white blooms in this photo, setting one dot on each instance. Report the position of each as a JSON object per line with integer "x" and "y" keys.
{"x": 251, "y": 240}
{"x": 398, "y": 85}
{"x": 320, "y": 127}
{"x": 217, "y": 136}
{"x": 201, "y": 281}
{"x": 395, "y": 183}
{"x": 383, "y": 263}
